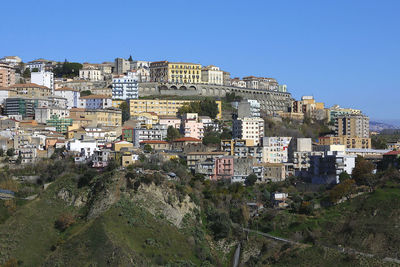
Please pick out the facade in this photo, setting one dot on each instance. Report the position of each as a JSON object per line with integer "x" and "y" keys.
{"x": 352, "y": 126}
{"x": 349, "y": 142}
{"x": 191, "y": 127}
{"x": 30, "y": 90}
{"x": 72, "y": 96}
{"x": 175, "y": 72}
{"x": 84, "y": 148}
{"x": 42, "y": 115}
{"x": 249, "y": 108}
{"x": 212, "y": 75}
{"x": 275, "y": 149}
{"x": 164, "y": 107}
{"x": 194, "y": 158}
{"x": 156, "y": 145}
{"x": 261, "y": 83}
{"x": 44, "y": 78}
{"x": 248, "y": 128}
{"x": 170, "y": 121}
{"x": 122, "y": 65}
{"x": 138, "y": 135}
{"x": 307, "y": 106}
{"x": 60, "y": 124}
{"x": 19, "y": 106}
{"x": 95, "y": 102}
{"x": 103, "y": 117}
{"x": 224, "y": 168}
{"x": 336, "y": 110}
{"x": 125, "y": 87}
{"x": 5, "y": 93}
{"x": 91, "y": 74}
{"x": 242, "y": 149}
{"x": 7, "y": 75}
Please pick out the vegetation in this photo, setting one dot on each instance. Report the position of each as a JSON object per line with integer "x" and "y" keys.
{"x": 172, "y": 133}
{"x": 67, "y": 70}
{"x": 207, "y": 107}
{"x": 86, "y": 92}
{"x": 126, "y": 114}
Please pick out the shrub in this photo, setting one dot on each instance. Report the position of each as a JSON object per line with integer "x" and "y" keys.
{"x": 64, "y": 221}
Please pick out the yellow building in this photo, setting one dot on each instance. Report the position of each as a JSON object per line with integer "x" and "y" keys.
{"x": 29, "y": 90}
{"x": 162, "y": 106}
{"x": 105, "y": 117}
{"x": 117, "y": 103}
{"x": 175, "y": 72}
{"x": 349, "y": 142}
{"x": 121, "y": 145}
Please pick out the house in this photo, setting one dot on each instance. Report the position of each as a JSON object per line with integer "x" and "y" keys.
{"x": 180, "y": 143}
{"x": 193, "y": 158}
{"x": 156, "y": 145}
{"x": 122, "y": 145}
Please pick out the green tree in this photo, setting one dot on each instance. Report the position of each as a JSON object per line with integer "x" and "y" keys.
{"x": 344, "y": 176}
{"x": 86, "y": 92}
{"x": 147, "y": 148}
{"x": 35, "y": 70}
{"x": 125, "y": 111}
{"x": 226, "y": 134}
{"x": 251, "y": 180}
{"x": 208, "y": 107}
{"x": 362, "y": 172}
{"x": 10, "y": 152}
{"x": 172, "y": 133}
{"x": 27, "y": 73}
{"x": 211, "y": 138}
{"x": 68, "y": 69}
{"x": 1, "y": 152}
{"x": 344, "y": 189}
{"x": 130, "y": 58}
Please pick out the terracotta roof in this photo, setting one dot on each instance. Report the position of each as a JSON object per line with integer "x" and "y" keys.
{"x": 66, "y": 89}
{"x": 6, "y": 89}
{"x": 154, "y": 142}
{"x": 394, "y": 152}
{"x": 187, "y": 139}
{"x": 95, "y": 97}
{"x": 28, "y": 85}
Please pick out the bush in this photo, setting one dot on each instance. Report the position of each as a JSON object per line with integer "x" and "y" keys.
{"x": 64, "y": 221}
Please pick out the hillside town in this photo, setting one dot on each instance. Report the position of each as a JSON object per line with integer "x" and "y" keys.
{"x": 128, "y": 110}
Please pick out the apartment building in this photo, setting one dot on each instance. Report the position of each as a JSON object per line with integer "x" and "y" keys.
{"x": 275, "y": 149}
{"x": 72, "y": 96}
{"x": 122, "y": 65}
{"x": 138, "y": 135}
{"x": 194, "y": 158}
{"x": 349, "y": 142}
{"x": 163, "y": 107}
{"x": 307, "y": 106}
{"x": 91, "y": 73}
{"x": 7, "y": 75}
{"x": 95, "y": 102}
{"x": 30, "y": 90}
{"x": 261, "y": 83}
{"x": 125, "y": 87}
{"x": 6, "y": 92}
{"x": 191, "y": 127}
{"x": 242, "y": 149}
{"x": 175, "y": 72}
{"x": 248, "y": 128}
{"x": 224, "y": 168}
{"x": 352, "y": 125}
{"x": 248, "y": 108}
{"x": 104, "y": 117}
{"x": 19, "y": 107}
{"x": 43, "y": 78}
{"x": 212, "y": 75}
{"x": 333, "y": 112}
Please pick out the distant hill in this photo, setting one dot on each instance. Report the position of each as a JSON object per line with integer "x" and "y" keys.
{"x": 378, "y": 126}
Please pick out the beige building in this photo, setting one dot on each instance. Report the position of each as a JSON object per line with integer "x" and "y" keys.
{"x": 248, "y": 128}
{"x": 352, "y": 126}
{"x": 307, "y": 106}
{"x": 104, "y": 117}
{"x": 349, "y": 142}
{"x": 30, "y": 90}
{"x": 175, "y": 72}
{"x": 7, "y": 75}
{"x": 212, "y": 75}
{"x": 91, "y": 73}
{"x": 261, "y": 83}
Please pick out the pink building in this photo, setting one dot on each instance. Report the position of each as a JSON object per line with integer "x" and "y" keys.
{"x": 223, "y": 168}
{"x": 170, "y": 121}
{"x": 192, "y": 127}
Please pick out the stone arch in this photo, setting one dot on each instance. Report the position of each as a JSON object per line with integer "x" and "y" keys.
{"x": 183, "y": 87}
{"x": 163, "y": 87}
{"x": 192, "y": 87}
{"x": 173, "y": 87}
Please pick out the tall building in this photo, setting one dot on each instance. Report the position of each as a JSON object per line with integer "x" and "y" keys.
{"x": 275, "y": 149}
{"x": 261, "y": 83}
{"x": 72, "y": 96}
{"x": 95, "y": 102}
{"x": 307, "y": 106}
{"x": 352, "y": 126}
{"x": 248, "y": 128}
{"x": 212, "y": 75}
{"x": 19, "y": 107}
{"x": 44, "y": 78}
{"x": 91, "y": 73}
{"x": 249, "y": 108}
{"x": 175, "y": 72}
{"x": 192, "y": 127}
{"x": 125, "y": 87}
{"x": 30, "y": 90}
{"x": 335, "y": 111}
{"x": 122, "y": 65}
{"x": 7, "y": 75}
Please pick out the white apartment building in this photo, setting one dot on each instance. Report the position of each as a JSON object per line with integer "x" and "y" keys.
{"x": 45, "y": 78}
{"x": 125, "y": 87}
{"x": 212, "y": 75}
{"x": 248, "y": 128}
{"x": 91, "y": 74}
{"x": 45, "y": 113}
{"x": 275, "y": 149}
{"x": 72, "y": 96}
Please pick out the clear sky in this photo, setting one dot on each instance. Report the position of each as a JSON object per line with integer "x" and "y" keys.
{"x": 342, "y": 52}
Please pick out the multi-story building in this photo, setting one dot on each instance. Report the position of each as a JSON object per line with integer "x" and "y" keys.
{"x": 91, "y": 73}
{"x": 6, "y": 92}
{"x": 248, "y": 108}
{"x": 226, "y": 78}
{"x": 125, "y": 87}
{"x": 60, "y": 124}
{"x": 19, "y": 107}
{"x": 7, "y": 75}
{"x": 242, "y": 149}
{"x": 164, "y": 107}
{"x": 248, "y": 128}
{"x": 261, "y": 83}
{"x": 236, "y": 82}
{"x": 333, "y": 112}
{"x": 352, "y": 126}
{"x": 224, "y": 168}
{"x": 122, "y": 65}
{"x": 72, "y": 96}
{"x": 30, "y": 90}
{"x": 43, "y": 114}
{"x": 349, "y": 142}
{"x": 194, "y": 158}
{"x": 191, "y": 127}
{"x": 212, "y": 75}
{"x": 170, "y": 121}
{"x": 138, "y": 135}
{"x": 307, "y": 106}
{"x": 95, "y": 102}
{"x": 103, "y": 117}
{"x": 275, "y": 149}
{"x": 389, "y": 145}
{"x": 175, "y": 72}
{"x": 11, "y": 60}
{"x": 44, "y": 78}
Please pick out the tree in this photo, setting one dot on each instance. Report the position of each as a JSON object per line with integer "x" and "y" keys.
{"x": 172, "y": 133}
{"x": 35, "y": 70}
{"x": 68, "y": 69}
{"x": 226, "y": 134}
{"x": 147, "y": 148}
{"x": 64, "y": 221}
{"x": 207, "y": 107}
{"x": 86, "y": 93}
{"x": 251, "y": 180}
{"x": 211, "y": 138}
{"x": 1, "y": 152}
{"x": 10, "y": 152}
{"x": 130, "y": 58}
{"x": 344, "y": 189}
{"x": 27, "y": 73}
{"x": 362, "y": 172}
{"x": 125, "y": 111}
{"x": 344, "y": 176}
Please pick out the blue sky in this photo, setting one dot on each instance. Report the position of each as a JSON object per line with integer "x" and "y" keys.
{"x": 341, "y": 52}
